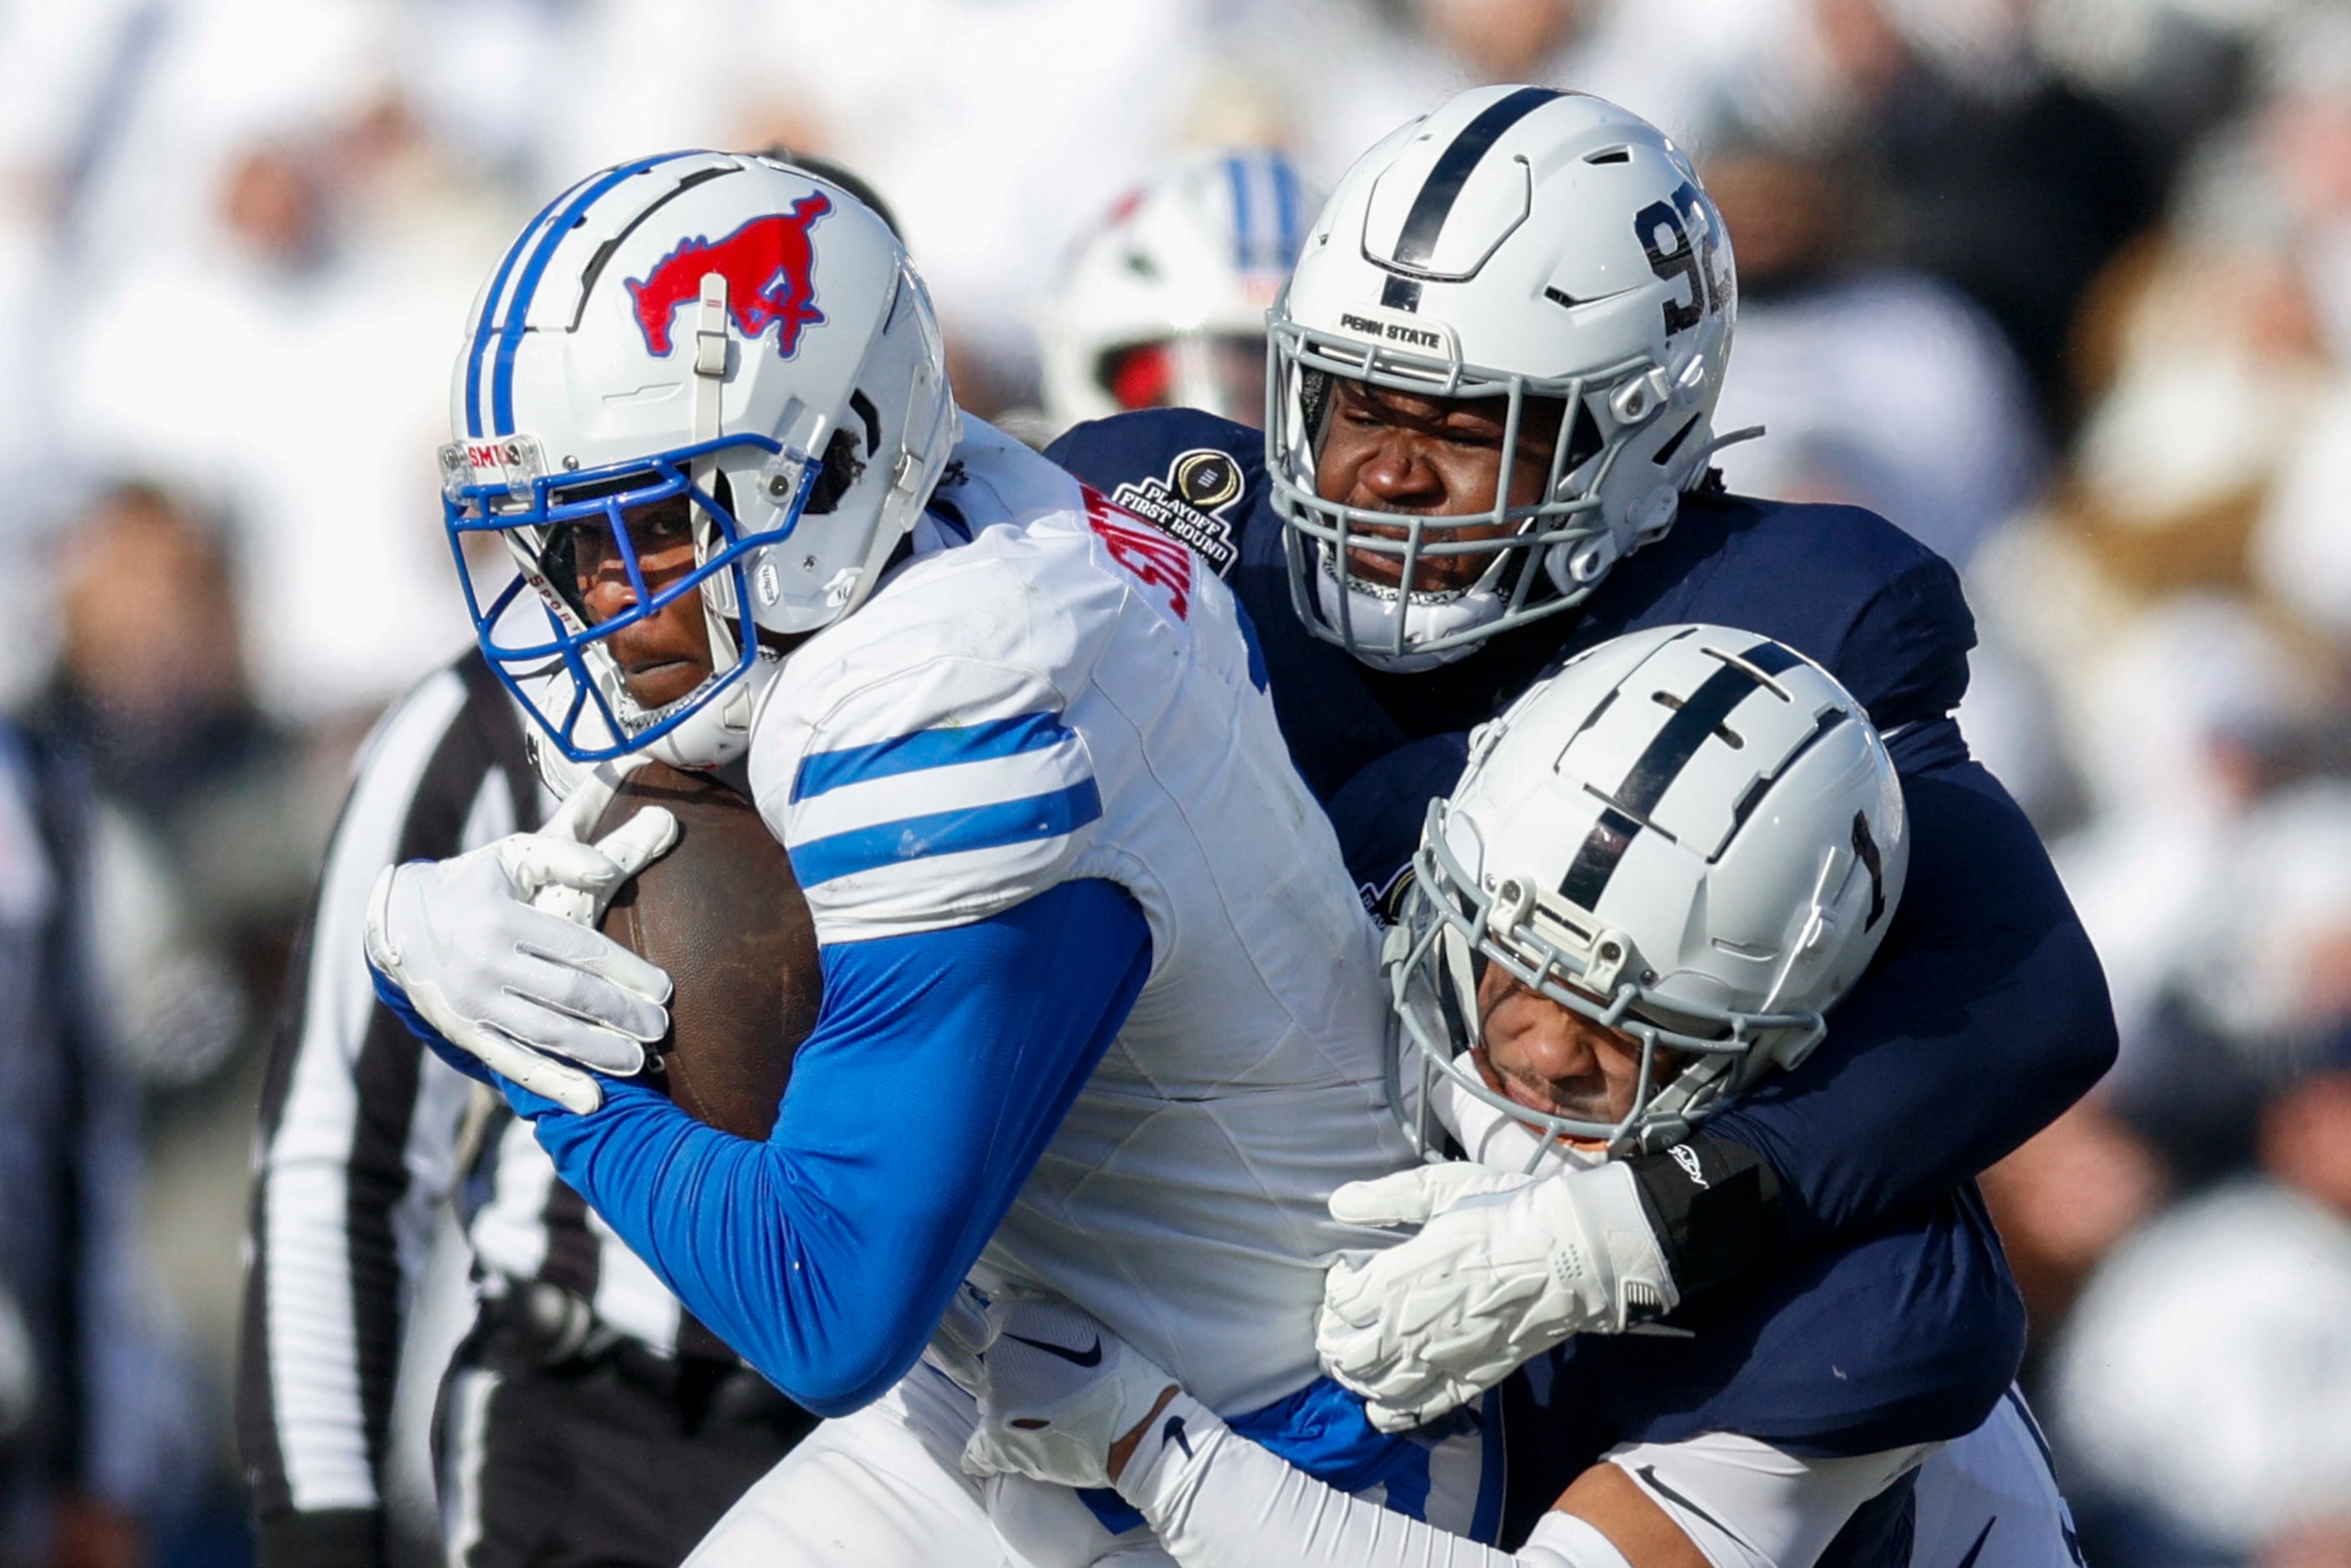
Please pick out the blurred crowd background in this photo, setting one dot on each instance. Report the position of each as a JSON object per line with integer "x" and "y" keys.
{"x": 2064, "y": 286}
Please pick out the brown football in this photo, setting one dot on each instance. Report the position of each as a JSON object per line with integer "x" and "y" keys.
{"x": 722, "y": 913}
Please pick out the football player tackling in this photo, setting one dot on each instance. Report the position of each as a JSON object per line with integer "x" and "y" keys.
{"x": 1551, "y": 1019}
{"x": 1488, "y": 412}
{"x": 1489, "y": 403}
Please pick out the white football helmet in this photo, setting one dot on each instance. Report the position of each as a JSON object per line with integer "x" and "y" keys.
{"x": 1690, "y": 834}
{"x": 1164, "y": 304}
{"x": 1548, "y": 248}
{"x": 728, "y": 328}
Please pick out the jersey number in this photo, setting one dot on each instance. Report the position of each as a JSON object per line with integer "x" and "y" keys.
{"x": 1677, "y": 217}
{"x": 1150, "y": 556}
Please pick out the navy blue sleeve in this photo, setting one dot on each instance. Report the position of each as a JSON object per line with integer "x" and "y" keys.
{"x": 1842, "y": 586}
{"x": 939, "y": 1068}
{"x": 1984, "y": 1015}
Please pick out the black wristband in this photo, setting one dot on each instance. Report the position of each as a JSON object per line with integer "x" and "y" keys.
{"x": 323, "y": 1538}
{"x": 1715, "y": 1207}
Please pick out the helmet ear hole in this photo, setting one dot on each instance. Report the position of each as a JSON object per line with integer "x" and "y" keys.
{"x": 840, "y": 470}
{"x": 1583, "y": 441}
{"x": 1673, "y": 442}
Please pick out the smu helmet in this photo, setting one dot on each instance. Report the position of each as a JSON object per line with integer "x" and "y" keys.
{"x": 726, "y": 327}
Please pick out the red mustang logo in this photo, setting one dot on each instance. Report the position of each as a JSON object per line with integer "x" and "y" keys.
{"x": 768, "y": 265}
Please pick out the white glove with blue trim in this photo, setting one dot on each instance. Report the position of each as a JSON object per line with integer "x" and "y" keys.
{"x": 496, "y": 949}
{"x": 1505, "y": 1267}
{"x": 1061, "y": 1390}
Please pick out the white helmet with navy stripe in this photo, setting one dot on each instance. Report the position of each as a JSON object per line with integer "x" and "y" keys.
{"x": 1547, "y": 248}
{"x": 728, "y": 328}
{"x": 1690, "y": 834}
{"x": 1163, "y": 304}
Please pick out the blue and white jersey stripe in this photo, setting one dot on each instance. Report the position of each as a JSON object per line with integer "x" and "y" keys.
{"x": 936, "y": 796}
{"x": 951, "y": 790}
{"x": 822, "y": 772}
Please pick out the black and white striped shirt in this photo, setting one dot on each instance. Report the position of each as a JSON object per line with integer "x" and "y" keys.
{"x": 359, "y": 1143}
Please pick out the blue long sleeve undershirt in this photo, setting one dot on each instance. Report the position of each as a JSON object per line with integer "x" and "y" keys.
{"x": 939, "y": 1068}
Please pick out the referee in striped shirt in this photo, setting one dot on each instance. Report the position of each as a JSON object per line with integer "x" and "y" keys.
{"x": 585, "y": 1418}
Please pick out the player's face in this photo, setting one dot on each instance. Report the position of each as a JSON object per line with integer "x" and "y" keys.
{"x": 667, "y": 654}
{"x": 1399, "y": 452}
{"x": 1552, "y": 1058}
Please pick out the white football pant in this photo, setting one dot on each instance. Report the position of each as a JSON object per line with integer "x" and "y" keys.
{"x": 885, "y": 1489}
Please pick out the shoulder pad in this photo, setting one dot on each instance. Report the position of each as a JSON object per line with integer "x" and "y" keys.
{"x": 1880, "y": 611}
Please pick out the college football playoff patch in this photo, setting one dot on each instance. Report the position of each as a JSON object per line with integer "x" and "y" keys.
{"x": 1187, "y": 503}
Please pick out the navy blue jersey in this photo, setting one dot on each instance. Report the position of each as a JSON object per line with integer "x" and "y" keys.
{"x": 1985, "y": 1013}
{"x": 1910, "y": 1334}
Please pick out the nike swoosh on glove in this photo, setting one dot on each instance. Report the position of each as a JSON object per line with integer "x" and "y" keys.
{"x": 1505, "y": 1267}
{"x": 496, "y": 949}
{"x": 1059, "y": 1389}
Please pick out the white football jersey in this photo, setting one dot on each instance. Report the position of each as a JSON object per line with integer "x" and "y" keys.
{"x": 1069, "y": 694}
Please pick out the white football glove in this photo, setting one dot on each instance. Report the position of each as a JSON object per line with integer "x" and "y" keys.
{"x": 1061, "y": 1390}
{"x": 1505, "y": 1267}
{"x": 497, "y": 950}
{"x": 963, "y": 1336}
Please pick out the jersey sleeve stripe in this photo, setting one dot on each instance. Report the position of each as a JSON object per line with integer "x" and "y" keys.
{"x": 987, "y": 827}
{"x": 960, "y": 788}
{"x": 821, "y": 772}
